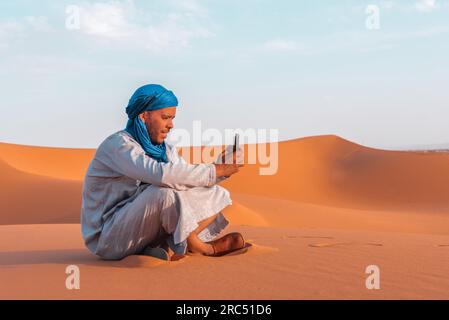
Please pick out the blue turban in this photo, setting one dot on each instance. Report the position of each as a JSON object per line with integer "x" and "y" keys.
{"x": 147, "y": 98}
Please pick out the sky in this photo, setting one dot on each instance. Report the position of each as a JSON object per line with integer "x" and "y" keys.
{"x": 373, "y": 72}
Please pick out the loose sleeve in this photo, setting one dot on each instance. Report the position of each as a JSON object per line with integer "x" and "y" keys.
{"x": 131, "y": 161}
{"x": 177, "y": 158}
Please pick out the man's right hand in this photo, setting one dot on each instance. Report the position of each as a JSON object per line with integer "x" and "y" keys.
{"x": 227, "y": 170}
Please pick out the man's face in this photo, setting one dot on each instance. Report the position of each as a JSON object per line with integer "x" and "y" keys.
{"x": 159, "y": 123}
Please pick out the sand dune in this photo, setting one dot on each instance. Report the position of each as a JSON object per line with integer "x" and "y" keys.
{"x": 333, "y": 208}
{"x": 29, "y": 198}
{"x": 322, "y": 170}
{"x": 61, "y": 163}
{"x": 331, "y": 171}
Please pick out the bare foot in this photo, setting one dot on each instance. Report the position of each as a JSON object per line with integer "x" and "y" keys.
{"x": 208, "y": 249}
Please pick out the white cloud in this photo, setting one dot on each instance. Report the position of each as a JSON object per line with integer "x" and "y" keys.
{"x": 407, "y": 6}
{"x": 426, "y": 5}
{"x": 283, "y": 45}
{"x": 157, "y": 32}
{"x": 106, "y": 19}
{"x": 118, "y": 24}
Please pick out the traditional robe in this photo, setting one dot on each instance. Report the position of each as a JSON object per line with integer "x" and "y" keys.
{"x": 131, "y": 201}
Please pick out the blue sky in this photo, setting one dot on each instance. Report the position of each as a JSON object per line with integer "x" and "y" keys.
{"x": 302, "y": 67}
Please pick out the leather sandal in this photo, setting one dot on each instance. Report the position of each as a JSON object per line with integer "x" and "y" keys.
{"x": 227, "y": 244}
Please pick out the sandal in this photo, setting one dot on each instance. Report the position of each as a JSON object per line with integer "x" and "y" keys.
{"x": 227, "y": 244}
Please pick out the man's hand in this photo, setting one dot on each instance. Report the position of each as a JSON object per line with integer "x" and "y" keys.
{"x": 227, "y": 170}
{"x": 226, "y": 167}
{"x": 230, "y": 157}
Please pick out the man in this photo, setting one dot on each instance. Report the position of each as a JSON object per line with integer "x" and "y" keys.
{"x": 141, "y": 197}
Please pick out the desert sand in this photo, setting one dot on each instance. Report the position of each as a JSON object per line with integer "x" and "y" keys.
{"x": 333, "y": 208}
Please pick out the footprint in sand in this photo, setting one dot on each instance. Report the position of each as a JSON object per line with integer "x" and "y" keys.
{"x": 313, "y": 237}
{"x": 336, "y": 244}
{"x": 306, "y": 237}
{"x": 263, "y": 249}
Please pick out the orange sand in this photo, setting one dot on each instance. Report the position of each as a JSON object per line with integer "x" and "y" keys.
{"x": 333, "y": 208}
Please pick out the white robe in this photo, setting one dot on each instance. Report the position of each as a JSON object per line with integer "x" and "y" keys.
{"x": 131, "y": 201}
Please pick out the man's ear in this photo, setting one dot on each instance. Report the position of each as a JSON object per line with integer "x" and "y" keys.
{"x": 142, "y": 117}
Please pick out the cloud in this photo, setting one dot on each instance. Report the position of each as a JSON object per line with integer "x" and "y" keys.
{"x": 426, "y": 5}
{"x": 125, "y": 24}
{"x": 353, "y": 41}
{"x": 407, "y": 6}
{"x": 115, "y": 25}
{"x": 108, "y": 20}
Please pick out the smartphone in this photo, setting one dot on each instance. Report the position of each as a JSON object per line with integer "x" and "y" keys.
{"x": 236, "y": 142}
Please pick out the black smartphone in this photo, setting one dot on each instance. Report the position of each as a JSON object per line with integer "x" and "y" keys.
{"x": 236, "y": 142}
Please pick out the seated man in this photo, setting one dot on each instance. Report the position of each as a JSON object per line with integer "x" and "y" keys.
{"x": 139, "y": 194}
